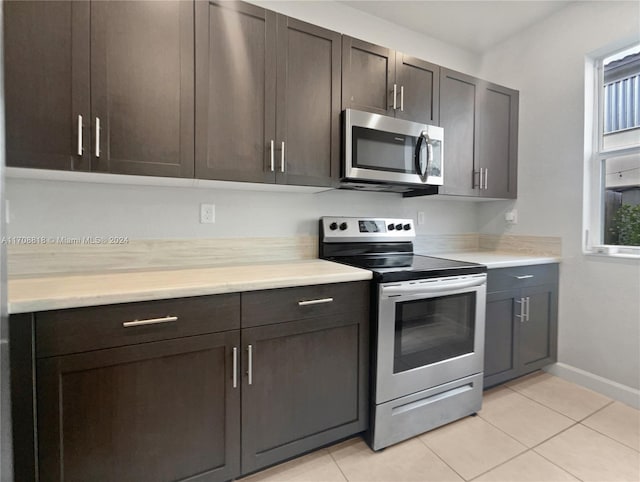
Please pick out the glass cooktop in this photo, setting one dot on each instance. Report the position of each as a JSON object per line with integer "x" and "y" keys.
{"x": 404, "y": 267}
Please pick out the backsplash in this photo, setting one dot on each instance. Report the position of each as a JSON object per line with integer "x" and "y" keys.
{"x": 522, "y": 244}
{"x": 144, "y": 254}
{"x": 45, "y": 259}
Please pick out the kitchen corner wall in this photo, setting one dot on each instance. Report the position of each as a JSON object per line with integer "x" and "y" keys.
{"x": 599, "y": 319}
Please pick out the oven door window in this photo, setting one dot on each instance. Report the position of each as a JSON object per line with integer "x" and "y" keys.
{"x": 433, "y": 329}
{"x": 383, "y": 151}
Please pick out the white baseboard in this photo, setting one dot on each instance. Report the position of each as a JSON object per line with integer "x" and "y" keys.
{"x": 615, "y": 390}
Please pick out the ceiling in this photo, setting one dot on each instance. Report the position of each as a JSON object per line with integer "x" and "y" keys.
{"x": 472, "y": 25}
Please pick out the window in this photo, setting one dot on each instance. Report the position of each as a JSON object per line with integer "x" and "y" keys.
{"x": 612, "y": 187}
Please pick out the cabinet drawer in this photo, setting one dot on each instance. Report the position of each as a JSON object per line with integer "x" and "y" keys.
{"x": 83, "y": 329}
{"x": 287, "y": 304}
{"x": 522, "y": 276}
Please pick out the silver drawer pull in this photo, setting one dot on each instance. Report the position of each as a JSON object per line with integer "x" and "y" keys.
{"x": 235, "y": 367}
{"x": 150, "y": 321}
{"x": 97, "y": 136}
{"x": 524, "y": 276}
{"x": 315, "y": 302}
{"x": 250, "y": 364}
{"x": 80, "y": 135}
{"x": 523, "y": 316}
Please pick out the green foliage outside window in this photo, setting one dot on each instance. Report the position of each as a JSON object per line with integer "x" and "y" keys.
{"x": 626, "y": 225}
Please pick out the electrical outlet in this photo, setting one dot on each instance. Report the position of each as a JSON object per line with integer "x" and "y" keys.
{"x": 511, "y": 217}
{"x": 207, "y": 213}
{"x": 421, "y": 217}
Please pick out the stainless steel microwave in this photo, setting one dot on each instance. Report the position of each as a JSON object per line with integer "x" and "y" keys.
{"x": 385, "y": 150}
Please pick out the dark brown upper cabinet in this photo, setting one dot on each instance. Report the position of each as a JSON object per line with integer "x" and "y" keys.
{"x": 46, "y": 55}
{"x": 380, "y": 80}
{"x": 142, "y": 87}
{"x": 480, "y": 122}
{"x": 498, "y": 141}
{"x": 103, "y": 86}
{"x": 267, "y": 97}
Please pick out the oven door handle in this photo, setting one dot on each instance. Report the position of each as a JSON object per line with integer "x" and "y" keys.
{"x": 431, "y": 287}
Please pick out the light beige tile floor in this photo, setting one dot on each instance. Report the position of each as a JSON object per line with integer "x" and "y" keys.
{"x": 536, "y": 429}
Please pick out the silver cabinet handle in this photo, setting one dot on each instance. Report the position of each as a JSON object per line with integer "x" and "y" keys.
{"x": 282, "y": 158}
{"x": 150, "y": 321}
{"x": 315, "y": 302}
{"x": 486, "y": 178}
{"x": 80, "y": 135}
{"x": 250, "y": 364}
{"x": 402, "y": 98}
{"x": 273, "y": 156}
{"x": 524, "y": 276}
{"x": 480, "y": 184}
{"x": 522, "y": 316}
{"x": 395, "y": 93}
{"x": 235, "y": 367}
{"x": 97, "y": 136}
{"x": 528, "y": 306}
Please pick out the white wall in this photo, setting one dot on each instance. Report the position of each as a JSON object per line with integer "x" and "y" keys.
{"x": 358, "y": 24}
{"x": 599, "y": 298}
{"x": 46, "y": 208}
{"x": 74, "y": 209}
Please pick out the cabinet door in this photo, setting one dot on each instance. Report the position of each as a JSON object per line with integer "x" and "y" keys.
{"x": 419, "y": 94}
{"x": 308, "y": 103}
{"x": 160, "y": 411}
{"x": 368, "y": 75}
{"x": 538, "y": 333}
{"x": 459, "y": 117}
{"x": 46, "y": 54}
{"x": 498, "y": 140}
{"x": 235, "y": 92}
{"x": 501, "y": 325}
{"x": 308, "y": 386}
{"x": 142, "y": 87}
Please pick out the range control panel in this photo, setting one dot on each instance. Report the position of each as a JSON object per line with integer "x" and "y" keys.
{"x": 341, "y": 229}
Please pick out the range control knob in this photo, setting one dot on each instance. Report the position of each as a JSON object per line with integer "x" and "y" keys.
{"x": 391, "y": 227}
{"x": 407, "y": 227}
{"x": 343, "y": 226}
{"x": 399, "y": 227}
{"x": 333, "y": 226}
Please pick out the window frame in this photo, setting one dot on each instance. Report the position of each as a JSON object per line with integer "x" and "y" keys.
{"x": 596, "y": 156}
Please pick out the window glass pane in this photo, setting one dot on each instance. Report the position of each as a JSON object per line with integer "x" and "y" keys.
{"x": 622, "y": 200}
{"x": 621, "y": 99}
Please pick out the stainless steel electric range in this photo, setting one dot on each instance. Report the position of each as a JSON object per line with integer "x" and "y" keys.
{"x": 427, "y": 324}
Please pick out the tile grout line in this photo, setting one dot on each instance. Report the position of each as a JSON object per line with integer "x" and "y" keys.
{"x": 609, "y": 437}
{"x": 559, "y": 466}
{"x": 337, "y": 464}
{"x": 581, "y": 422}
{"x": 419, "y": 437}
{"x": 559, "y": 412}
{"x": 531, "y": 449}
{"x": 500, "y": 464}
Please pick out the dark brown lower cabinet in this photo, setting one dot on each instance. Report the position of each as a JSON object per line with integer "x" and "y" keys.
{"x": 521, "y": 327}
{"x": 163, "y": 390}
{"x": 161, "y": 411}
{"x": 308, "y": 386}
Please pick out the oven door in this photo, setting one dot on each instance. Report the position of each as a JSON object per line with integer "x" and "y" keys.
{"x": 429, "y": 332}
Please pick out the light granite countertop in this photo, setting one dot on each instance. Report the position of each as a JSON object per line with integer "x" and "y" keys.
{"x": 499, "y": 259}
{"x": 72, "y": 291}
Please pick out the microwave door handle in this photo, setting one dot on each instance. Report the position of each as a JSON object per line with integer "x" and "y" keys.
{"x": 423, "y": 171}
